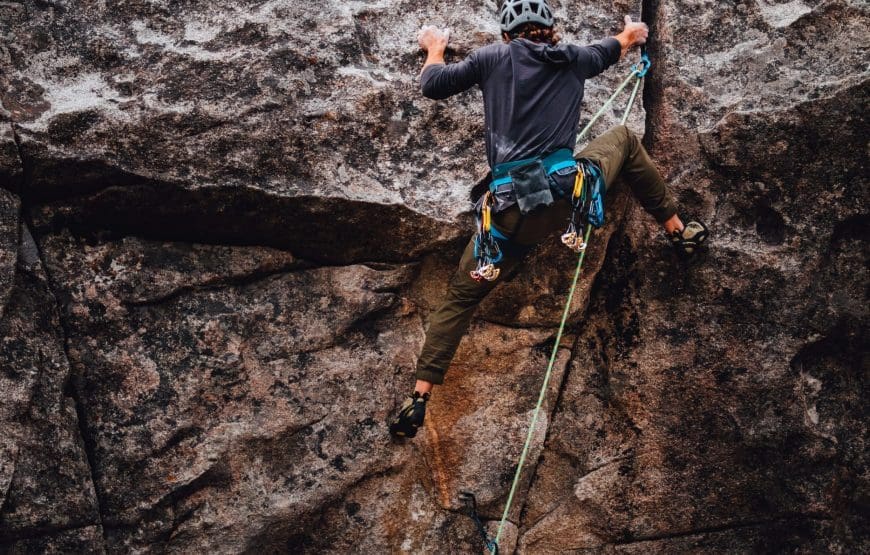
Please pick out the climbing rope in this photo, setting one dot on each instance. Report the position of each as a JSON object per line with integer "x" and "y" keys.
{"x": 543, "y": 393}
{"x": 638, "y": 71}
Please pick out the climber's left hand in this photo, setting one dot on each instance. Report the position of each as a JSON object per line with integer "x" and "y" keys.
{"x": 432, "y": 39}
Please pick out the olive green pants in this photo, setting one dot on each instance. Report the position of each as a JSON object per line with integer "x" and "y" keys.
{"x": 619, "y": 154}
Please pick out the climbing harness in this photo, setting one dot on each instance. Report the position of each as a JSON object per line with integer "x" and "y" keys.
{"x": 588, "y": 204}
{"x": 528, "y": 181}
{"x": 504, "y": 174}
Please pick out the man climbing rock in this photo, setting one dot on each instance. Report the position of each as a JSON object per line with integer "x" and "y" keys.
{"x": 532, "y": 91}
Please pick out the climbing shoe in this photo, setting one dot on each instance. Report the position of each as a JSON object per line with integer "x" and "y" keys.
{"x": 410, "y": 416}
{"x": 690, "y": 240}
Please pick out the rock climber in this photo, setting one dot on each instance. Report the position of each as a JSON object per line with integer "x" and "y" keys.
{"x": 532, "y": 90}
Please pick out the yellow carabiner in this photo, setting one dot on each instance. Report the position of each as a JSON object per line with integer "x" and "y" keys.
{"x": 487, "y": 215}
{"x": 578, "y": 183}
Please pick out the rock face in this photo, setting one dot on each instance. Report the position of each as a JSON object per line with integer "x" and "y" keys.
{"x": 225, "y": 223}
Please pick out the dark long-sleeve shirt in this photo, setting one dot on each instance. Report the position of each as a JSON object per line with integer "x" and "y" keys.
{"x": 531, "y": 92}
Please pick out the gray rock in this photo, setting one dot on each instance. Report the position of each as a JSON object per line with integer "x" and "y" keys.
{"x": 10, "y": 207}
{"x": 242, "y": 214}
{"x": 702, "y": 415}
{"x": 11, "y": 167}
{"x": 46, "y": 488}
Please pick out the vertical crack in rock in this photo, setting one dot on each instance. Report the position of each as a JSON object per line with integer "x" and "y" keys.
{"x": 649, "y": 15}
{"x": 556, "y": 402}
{"x": 17, "y": 184}
{"x": 575, "y": 345}
{"x": 17, "y": 140}
{"x": 69, "y": 389}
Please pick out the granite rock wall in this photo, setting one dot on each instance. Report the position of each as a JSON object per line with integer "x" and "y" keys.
{"x": 225, "y": 223}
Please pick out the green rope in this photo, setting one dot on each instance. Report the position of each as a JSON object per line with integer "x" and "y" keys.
{"x": 606, "y": 105}
{"x": 635, "y": 72}
{"x": 544, "y": 388}
{"x": 631, "y": 101}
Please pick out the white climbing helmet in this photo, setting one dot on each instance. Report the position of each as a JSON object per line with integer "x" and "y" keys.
{"x": 516, "y": 12}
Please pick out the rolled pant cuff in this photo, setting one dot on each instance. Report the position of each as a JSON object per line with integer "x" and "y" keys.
{"x": 431, "y": 376}
{"x": 666, "y": 214}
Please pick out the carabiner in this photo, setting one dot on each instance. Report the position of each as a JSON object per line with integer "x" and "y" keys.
{"x": 645, "y": 63}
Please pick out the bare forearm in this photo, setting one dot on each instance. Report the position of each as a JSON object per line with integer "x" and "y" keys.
{"x": 434, "y": 57}
{"x": 624, "y": 41}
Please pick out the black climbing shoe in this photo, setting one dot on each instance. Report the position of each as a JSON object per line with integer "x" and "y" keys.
{"x": 689, "y": 241}
{"x": 410, "y": 416}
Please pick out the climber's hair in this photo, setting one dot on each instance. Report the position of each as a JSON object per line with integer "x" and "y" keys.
{"x": 534, "y": 33}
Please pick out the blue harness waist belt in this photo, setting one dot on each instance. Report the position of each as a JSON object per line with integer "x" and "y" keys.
{"x": 553, "y": 162}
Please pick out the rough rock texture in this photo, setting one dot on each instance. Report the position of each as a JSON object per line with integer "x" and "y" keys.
{"x": 720, "y": 406}
{"x": 224, "y": 224}
{"x": 45, "y": 477}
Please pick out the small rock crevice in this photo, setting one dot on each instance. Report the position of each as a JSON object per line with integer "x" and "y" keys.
{"x": 11, "y": 538}
{"x": 70, "y": 388}
{"x": 241, "y": 280}
{"x": 722, "y": 528}
{"x": 21, "y": 160}
{"x": 234, "y": 281}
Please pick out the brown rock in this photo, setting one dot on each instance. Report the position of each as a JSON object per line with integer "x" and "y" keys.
{"x": 246, "y": 211}
{"x": 694, "y": 420}
{"x": 45, "y": 480}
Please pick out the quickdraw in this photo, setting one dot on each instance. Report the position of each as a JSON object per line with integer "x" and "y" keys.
{"x": 572, "y": 238}
{"x": 486, "y": 248}
{"x": 587, "y": 204}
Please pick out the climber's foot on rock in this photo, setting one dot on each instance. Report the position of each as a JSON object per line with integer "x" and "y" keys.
{"x": 410, "y": 416}
{"x": 690, "y": 240}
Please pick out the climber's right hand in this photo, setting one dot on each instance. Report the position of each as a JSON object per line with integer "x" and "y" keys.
{"x": 634, "y": 34}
